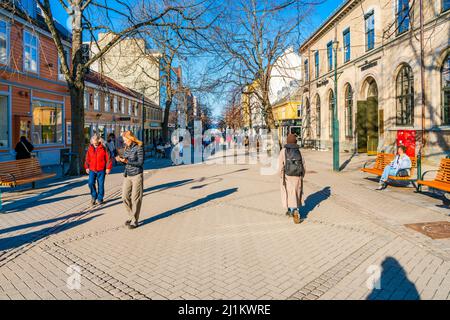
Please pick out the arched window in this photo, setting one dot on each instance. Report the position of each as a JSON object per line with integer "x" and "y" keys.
{"x": 348, "y": 111}
{"x": 331, "y": 108}
{"x": 405, "y": 96}
{"x": 318, "y": 120}
{"x": 445, "y": 75}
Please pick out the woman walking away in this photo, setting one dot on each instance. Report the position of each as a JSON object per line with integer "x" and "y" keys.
{"x": 111, "y": 144}
{"x": 292, "y": 171}
{"x": 399, "y": 166}
{"x": 97, "y": 164}
{"x": 23, "y": 149}
{"x": 133, "y": 184}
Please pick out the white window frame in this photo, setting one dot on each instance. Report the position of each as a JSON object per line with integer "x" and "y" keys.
{"x": 8, "y": 41}
{"x": 129, "y": 107}
{"x": 116, "y": 104}
{"x": 96, "y": 100}
{"x": 25, "y": 45}
{"x": 107, "y": 102}
{"x": 122, "y": 106}
{"x": 87, "y": 99}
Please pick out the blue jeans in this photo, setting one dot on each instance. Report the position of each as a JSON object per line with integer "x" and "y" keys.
{"x": 99, "y": 177}
{"x": 388, "y": 171}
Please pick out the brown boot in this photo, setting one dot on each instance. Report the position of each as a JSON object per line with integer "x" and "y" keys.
{"x": 297, "y": 217}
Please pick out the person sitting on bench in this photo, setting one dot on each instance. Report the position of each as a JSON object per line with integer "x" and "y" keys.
{"x": 401, "y": 162}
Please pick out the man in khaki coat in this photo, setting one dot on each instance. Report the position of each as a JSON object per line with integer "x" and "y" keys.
{"x": 292, "y": 170}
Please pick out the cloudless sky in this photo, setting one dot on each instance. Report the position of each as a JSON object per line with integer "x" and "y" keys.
{"x": 321, "y": 12}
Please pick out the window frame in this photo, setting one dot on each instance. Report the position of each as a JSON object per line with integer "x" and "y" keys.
{"x": 445, "y": 92}
{"x": 67, "y": 54}
{"x": 345, "y": 33}
{"x": 443, "y": 8}
{"x": 330, "y": 55}
{"x": 8, "y": 41}
{"x": 87, "y": 99}
{"x": 32, "y": 35}
{"x": 367, "y": 31}
{"x": 116, "y": 104}
{"x": 331, "y": 106}
{"x": 348, "y": 110}
{"x": 61, "y": 109}
{"x": 96, "y": 100}
{"x": 316, "y": 64}
{"x": 405, "y": 19}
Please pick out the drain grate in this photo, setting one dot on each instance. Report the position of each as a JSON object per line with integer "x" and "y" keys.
{"x": 434, "y": 230}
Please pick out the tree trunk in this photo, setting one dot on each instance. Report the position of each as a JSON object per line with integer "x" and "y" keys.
{"x": 78, "y": 148}
{"x": 165, "y": 125}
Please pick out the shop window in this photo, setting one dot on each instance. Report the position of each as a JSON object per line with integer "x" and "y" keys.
{"x": 4, "y": 126}
{"x": 405, "y": 96}
{"x": 47, "y": 122}
{"x": 445, "y": 75}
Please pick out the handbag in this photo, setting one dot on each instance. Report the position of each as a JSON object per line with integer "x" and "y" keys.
{"x": 403, "y": 173}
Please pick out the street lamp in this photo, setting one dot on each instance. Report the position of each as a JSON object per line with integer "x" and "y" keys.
{"x": 335, "y": 113}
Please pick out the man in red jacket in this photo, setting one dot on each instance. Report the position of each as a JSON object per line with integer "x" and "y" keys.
{"x": 98, "y": 163}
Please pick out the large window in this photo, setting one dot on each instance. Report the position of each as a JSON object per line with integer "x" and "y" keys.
{"x": 369, "y": 20}
{"x": 346, "y": 36}
{"x": 4, "y": 115}
{"x": 318, "y": 122}
{"x": 330, "y": 55}
{"x": 348, "y": 111}
{"x": 4, "y": 42}
{"x": 331, "y": 108}
{"x": 445, "y": 72}
{"x": 402, "y": 16}
{"x": 316, "y": 63}
{"x": 306, "y": 70}
{"x": 47, "y": 122}
{"x": 405, "y": 96}
{"x": 30, "y": 49}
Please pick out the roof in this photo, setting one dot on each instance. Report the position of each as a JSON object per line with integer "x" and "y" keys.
{"x": 38, "y": 22}
{"x": 104, "y": 81}
{"x": 336, "y": 14}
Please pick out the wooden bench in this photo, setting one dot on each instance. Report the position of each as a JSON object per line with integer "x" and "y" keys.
{"x": 442, "y": 179}
{"x": 19, "y": 172}
{"x": 383, "y": 160}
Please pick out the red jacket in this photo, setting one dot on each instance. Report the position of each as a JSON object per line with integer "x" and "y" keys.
{"x": 98, "y": 159}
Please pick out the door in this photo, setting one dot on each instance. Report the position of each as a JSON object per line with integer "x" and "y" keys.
{"x": 372, "y": 126}
{"x": 361, "y": 126}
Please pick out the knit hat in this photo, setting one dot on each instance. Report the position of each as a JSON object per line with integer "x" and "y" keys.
{"x": 291, "y": 138}
{"x": 130, "y": 136}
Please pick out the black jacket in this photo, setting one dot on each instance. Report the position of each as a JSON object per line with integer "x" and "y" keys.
{"x": 135, "y": 156}
{"x": 23, "y": 150}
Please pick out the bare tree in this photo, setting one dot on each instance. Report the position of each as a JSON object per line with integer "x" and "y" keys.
{"x": 88, "y": 17}
{"x": 248, "y": 40}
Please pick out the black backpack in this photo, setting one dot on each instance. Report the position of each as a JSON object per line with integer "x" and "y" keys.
{"x": 294, "y": 163}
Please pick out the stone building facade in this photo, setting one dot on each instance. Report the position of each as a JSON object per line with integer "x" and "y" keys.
{"x": 379, "y": 96}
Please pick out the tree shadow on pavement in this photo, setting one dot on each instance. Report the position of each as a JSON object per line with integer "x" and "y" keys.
{"x": 196, "y": 203}
{"x": 393, "y": 283}
{"x": 19, "y": 240}
{"x": 314, "y": 200}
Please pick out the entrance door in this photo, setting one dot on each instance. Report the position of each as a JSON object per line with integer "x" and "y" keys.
{"x": 367, "y": 125}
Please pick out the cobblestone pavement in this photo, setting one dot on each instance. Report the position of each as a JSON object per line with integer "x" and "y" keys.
{"x": 215, "y": 231}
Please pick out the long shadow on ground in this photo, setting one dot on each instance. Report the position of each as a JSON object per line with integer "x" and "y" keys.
{"x": 314, "y": 200}
{"x": 393, "y": 283}
{"x": 19, "y": 240}
{"x": 196, "y": 203}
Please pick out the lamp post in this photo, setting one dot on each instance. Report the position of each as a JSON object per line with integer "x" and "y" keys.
{"x": 335, "y": 113}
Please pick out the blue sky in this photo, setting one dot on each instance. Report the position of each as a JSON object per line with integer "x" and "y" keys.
{"x": 321, "y": 12}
